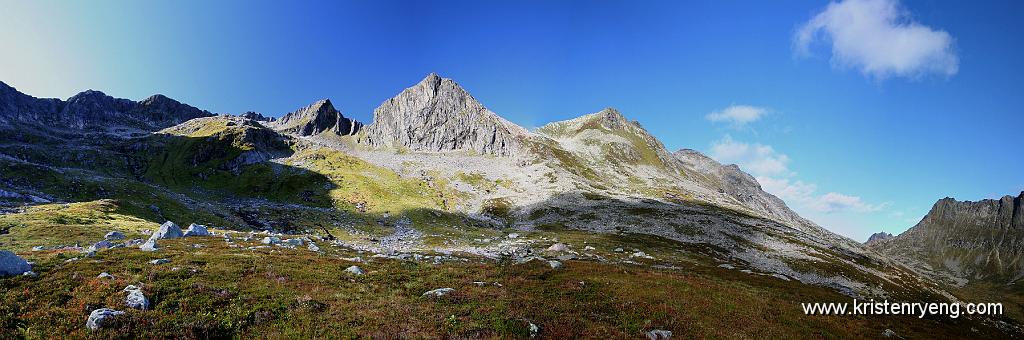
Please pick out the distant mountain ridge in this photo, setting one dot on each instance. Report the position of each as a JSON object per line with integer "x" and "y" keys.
{"x": 94, "y": 109}
{"x": 982, "y": 240}
{"x": 316, "y": 118}
{"x": 878, "y": 237}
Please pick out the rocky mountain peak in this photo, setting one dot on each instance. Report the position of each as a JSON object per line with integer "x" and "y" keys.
{"x": 438, "y": 115}
{"x": 316, "y": 118}
{"x": 259, "y": 117}
{"x": 969, "y": 239}
{"x": 611, "y": 118}
{"x": 878, "y": 237}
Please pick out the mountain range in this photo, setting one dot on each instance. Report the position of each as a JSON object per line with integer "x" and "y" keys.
{"x": 436, "y": 167}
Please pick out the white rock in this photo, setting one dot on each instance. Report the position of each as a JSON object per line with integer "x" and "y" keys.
{"x": 29, "y": 274}
{"x": 641, "y": 255}
{"x": 659, "y": 334}
{"x": 558, "y": 247}
{"x": 167, "y": 230}
{"x": 888, "y": 333}
{"x": 102, "y": 317}
{"x": 136, "y": 299}
{"x": 160, "y": 261}
{"x": 38, "y": 248}
{"x": 588, "y": 248}
{"x": 534, "y": 330}
{"x": 513, "y": 235}
{"x": 11, "y": 264}
{"x": 104, "y": 275}
{"x": 313, "y": 247}
{"x": 555, "y": 264}
{"x": 618, "y": 250}
{"x": 271, "y": 240}
{"x": 726, "y": 266}
{"x": 114, "y": 236}
{"x": 150, "y": 245}
{"x": 355, "y": 270}
{"x": 439, "y": 292}
{"x": 296, "y": 242}
{"x": 196, "y": 230}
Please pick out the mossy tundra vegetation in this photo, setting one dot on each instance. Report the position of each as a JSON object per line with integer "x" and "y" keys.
{"x": 594, "y": 230}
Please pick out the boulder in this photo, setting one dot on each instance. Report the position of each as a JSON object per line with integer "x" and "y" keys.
{"x": 38, "y": 248}
{"x": 104, "y": 275}
{"x": 354, "y": 270}
{"x": 150, "y": 245}
{"x": 102, "y": 317}
{"x": 296, "y": 242}
{"x": 438, "y": 292}
{"x": 271, "y": 240}
{"x": 100, "y": 245}
{"x": 659, "y": 334}
{"x": 136, "y": 299}
{"x": 641, "y": 254}
{"x": 557, "y": 247}
{"x": 114, "y": 236}
{"x": 167, "y": 230}
{"x": 196, "y": 230}
{"x": 313, "y": 247}
{"x": 555, "y": 264}
{"x": 11, "y": 264}
{"x": 534, "y": 330}
{"x": 159, "y": 261}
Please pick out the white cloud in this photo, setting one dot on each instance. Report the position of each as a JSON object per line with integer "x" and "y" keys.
{"x": 879, "y": 38}
{"x": 771, "y": 169}
{"x": 795, "y": 191}
{"x": 738, "y": 115}
{"x": 804, "y": 195}
{"x": 758, "y": 159}
{"x": 833, "y": 201}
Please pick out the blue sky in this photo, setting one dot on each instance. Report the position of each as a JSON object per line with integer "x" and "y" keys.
{"x": 886, "y": 106}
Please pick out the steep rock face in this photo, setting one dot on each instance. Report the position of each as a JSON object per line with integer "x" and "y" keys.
{"x": 167, "y": 111}
{"x": 730, "y": 180}
{"x": 94, "y": 109}
{"x": 438, "y": 115}
{"x": 316, "y": 118}
{"x": 878, "y": 237}
{"x": 981, "y": 240}
{"x": 16, "y": 106}
{"x": 256, "y": 116}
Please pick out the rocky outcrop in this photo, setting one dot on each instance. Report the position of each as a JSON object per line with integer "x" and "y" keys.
{"x": 18, "y": 107}
{"x": 744, "y": 188}
{"x": 256, "y": 116}
{"x": 315, "y": 119}
{"x": 12, "y": 264}
{"x": 878, "y": 237}
{"x": 438, "y": 115}
{"x": 981, "y": 240}
{"x": 94, "y": 109}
